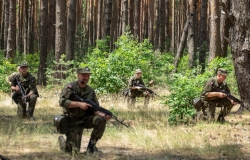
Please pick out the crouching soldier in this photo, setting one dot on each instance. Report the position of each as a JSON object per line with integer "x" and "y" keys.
{"x": 211, "y": 96}
{"x": 81, "y": 115}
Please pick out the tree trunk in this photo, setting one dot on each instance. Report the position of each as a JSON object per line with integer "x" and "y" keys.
{"x": 136, "y": 18}
{"x": 2, "y": 25}
{"x": 215, "y": 43}
{"x": 172, "y": 49}
{"x": 25, "y": 27}
{"x": 11, "y": 42}
{"x": 6, "y": 25}
{"x": 240, "y": 44}
{"x": 107, "y": 19}
{"x": 60, "y": 34}
{"x": 124, "y": 15}
{"x": 181, "y": 45}
{"x": 51, "y": 26}
{"x": 71, "y": 25}
{"x": 203, "y": 34}
{"x": 41, "y": 77}
{"x": 224, "y": 30}
{"x": 191, "y": 34}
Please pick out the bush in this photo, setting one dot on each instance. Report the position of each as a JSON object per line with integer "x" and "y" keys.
{"x": 188, "y": 84}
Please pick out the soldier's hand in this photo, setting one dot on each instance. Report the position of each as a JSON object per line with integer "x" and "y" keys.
{"x": 17, "y": 89}
{"x": 84, "y": 106}
{"x": 222, "y": 95}
{"x": 107, "y": 117}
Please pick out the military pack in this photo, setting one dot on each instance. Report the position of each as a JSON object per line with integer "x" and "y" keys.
{"x": 61, "y": 122}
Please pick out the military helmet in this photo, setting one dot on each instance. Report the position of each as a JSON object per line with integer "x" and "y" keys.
{"x": 222, "y": 71}
{"x": 138, "y": 71}
{"x": 23, "y": 64}
{"x": 84, "y": 70}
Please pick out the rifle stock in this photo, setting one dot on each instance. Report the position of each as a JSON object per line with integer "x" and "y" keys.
{"x": 97, "y": 107}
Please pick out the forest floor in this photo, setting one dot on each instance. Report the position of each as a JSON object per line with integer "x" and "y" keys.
{"x": 149, "y": 136}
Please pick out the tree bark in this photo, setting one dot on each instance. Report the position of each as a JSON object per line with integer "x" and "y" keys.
{"x": 191, "y": 34}
{"x": 2, "y": 25}
{"x": 11, "y": 41}
{"x": 203, "y": 34}
{"x": 41, "y": 77}
{"x": 172, "y": 49}
{"x": 215, "y": 42}
{"x": 60, "y": 29}
{"x": 51, "y": 26}
{"x": 224, "y": 30}
{"x": 71, "y": 25}
{"x": 6, "y": 24}
{"x": 240, "y": 45}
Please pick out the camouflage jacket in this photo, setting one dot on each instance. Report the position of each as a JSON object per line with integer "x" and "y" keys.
{"x": 28, "y": 82}
{"x": 211, "y": 86}
{"x": 86, "y": 93}
{"x": 133, "y": 81}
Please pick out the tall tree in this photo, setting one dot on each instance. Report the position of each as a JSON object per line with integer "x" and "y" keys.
{"x": 107, "y": 18}
{"x": 51, "y": 25}
{"x": 172, "y": 47}
{"x": 203, "y": 34}
{"x": 60, "y": 29}
{"x": 11, "y": 41}
{"x": 215, "y": 42}
{"x": 41, "y": 78}
{"x": 224, "y": 30}
{"x": 71, "y": 25}
{"x": 6, "y": 24}
{"x": 2, "y": 25}
{"x": 191, "y": 33}
{"x": 239, "y": 36}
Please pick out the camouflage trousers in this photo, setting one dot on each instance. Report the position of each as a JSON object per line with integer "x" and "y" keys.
{"x": 135, "y": 93}
{"x": 25, "y": 110}
{"x": 210, "y": 108}
{"x": 74, "y": 136}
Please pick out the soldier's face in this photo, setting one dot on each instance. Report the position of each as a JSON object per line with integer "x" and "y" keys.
{"x": 23, "y": 70}
{"x": 83, "y": 78}
{"x": 138, "y": 75}
{"x": 221, "y": 78}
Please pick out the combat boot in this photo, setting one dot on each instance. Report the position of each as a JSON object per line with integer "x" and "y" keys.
{"x": 62, "y": 144}
{"x": 92, "y": 147}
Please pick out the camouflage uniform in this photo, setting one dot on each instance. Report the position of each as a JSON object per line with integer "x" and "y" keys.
{"x": 29, "y": 84}
{"x": 133, "y": 81}
{"x": 211, "y": 103}
{"x": 80, "y": 119}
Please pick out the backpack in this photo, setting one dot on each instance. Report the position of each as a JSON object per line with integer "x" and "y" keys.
{"x": 197, "y": 103}
{"x": 61, "y": 122}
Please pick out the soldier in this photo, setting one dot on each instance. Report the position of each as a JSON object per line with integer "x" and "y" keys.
{"x": 136, "y": 90}
{"x": 212, "y": 98}
{"x": 28, "y": 83}
{"x": 81, "y": 115}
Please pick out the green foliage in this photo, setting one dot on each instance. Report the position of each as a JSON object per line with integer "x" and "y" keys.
{"x": 6, "y": 68}
{"x": 188, "y": 84}
{"x": 60, "y": 72}
{"x": 112, "y": 70}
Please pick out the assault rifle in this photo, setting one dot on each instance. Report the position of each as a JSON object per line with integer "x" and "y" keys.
{"x": 147, "y": 89}
{"x": 234, "y": 99}
{"x": 97, "y": 107}
{"x": 22, "y": 91}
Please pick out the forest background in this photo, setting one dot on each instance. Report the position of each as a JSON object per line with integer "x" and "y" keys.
{"x": 176, "y": 43}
